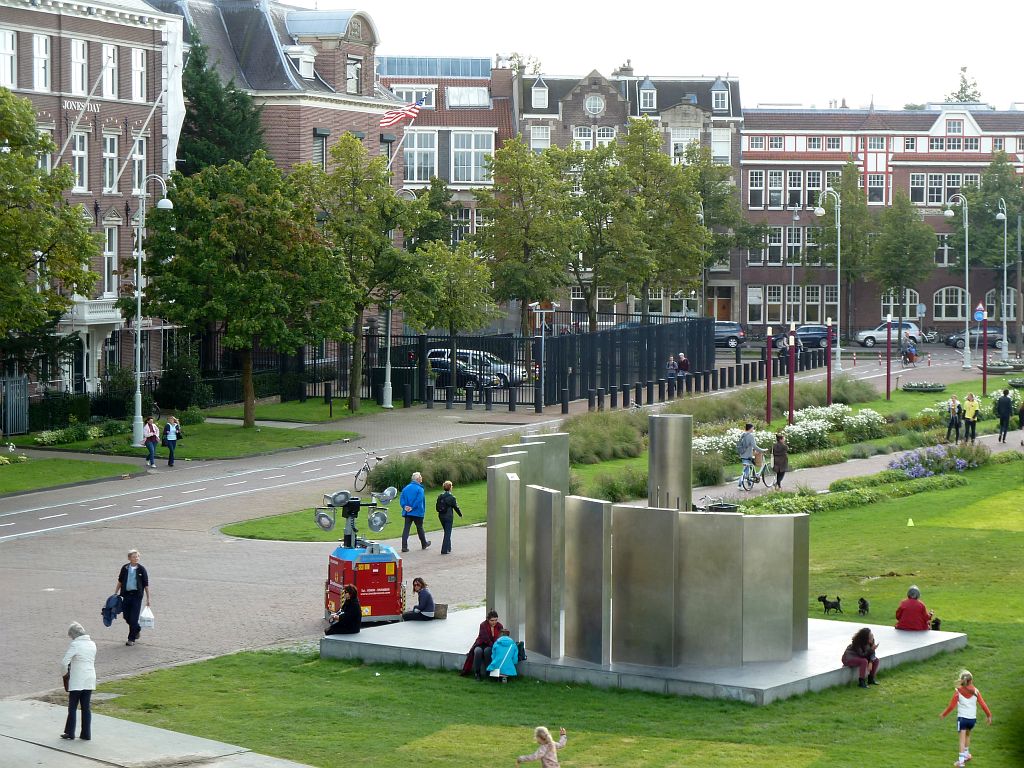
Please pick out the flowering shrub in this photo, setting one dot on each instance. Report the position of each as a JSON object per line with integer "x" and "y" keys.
{"x": 805, "y": 435}
{"x": 725, "y": 443}
{"x": 938, "y": 460}
{"x": 835, "y": 415}
{"x": 1015, "y": 395}
{"x": 864, "y": 425}
{"x": 923, "y": 386}
{"x": 788, "y": 503}
{"x": 48, "y": 437}
{"x": 15, "y": 459}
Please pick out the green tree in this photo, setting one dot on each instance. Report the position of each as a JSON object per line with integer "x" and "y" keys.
{"x": 524, "y": 237}
{"x": 600, "y": 223}
{"x": 222, "y": 123}
{"x": 436, "y": 223}
{"x": 239, "y": 253}
{"x": 998, "y": 180}
{"x": 903, "y": 254}
{"x": 968, "y": 92}
{"x": 45, "y": 243}
{"x": 858, "y": 226}
{"x": 361, "y": 214}
{"x": 671, "y": 238}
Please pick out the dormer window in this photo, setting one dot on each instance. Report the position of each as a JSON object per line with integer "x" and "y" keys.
{"x": 720, "y": 100}
{"x": 648, "y": 98}
{"x": 302, "y": 58}
{"x": 539, "y": 97}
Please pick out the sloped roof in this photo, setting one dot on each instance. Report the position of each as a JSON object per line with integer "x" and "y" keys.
{"x": 914, "y": 121}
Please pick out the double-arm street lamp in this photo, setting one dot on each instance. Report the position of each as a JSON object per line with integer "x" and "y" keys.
{"x": 959, "y": 199}
{"x": 163, "y": 204}
{"x": 1001, "y": 216}
{"x": 703, "y": 269}
{"x": 820, "y": 211}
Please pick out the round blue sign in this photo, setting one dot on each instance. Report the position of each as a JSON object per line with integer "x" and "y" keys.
{"x": 979, "y": 315}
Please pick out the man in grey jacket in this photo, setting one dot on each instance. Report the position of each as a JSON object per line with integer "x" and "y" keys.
{"x": 745, "y": 448}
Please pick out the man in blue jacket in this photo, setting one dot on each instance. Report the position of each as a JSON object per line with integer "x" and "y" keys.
{"x": 413, "y": 510}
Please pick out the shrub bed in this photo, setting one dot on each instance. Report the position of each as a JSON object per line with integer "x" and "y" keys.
{"x": 622, "y": 486}
{"x": 940, "y": 459}
{"x": 787, "y": 503}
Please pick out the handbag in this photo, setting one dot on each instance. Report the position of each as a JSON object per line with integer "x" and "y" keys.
{"x": 146, "y": 619}
{"x": 66, "y": 677}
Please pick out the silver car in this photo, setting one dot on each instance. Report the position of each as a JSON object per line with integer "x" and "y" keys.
{"x": 876, "y": 335}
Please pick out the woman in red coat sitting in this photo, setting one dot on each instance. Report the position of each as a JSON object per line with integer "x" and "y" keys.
{"x": 479, "y": 656}
{"x": 912, "y": 613}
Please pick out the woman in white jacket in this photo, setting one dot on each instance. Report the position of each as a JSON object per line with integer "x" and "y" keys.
{"x": 80, "y": 662}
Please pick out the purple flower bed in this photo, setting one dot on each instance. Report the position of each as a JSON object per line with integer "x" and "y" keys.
{"x": 926, "y": 462}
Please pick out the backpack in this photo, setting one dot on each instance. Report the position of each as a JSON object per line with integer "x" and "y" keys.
{"x": 441, "y": 505}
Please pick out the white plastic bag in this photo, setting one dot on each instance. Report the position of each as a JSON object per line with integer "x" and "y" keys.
{"x": 146, "y": 618}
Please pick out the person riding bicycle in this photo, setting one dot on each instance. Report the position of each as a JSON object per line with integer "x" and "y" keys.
{"x": 746, "y": 447}
{"x": 909, "y": 350}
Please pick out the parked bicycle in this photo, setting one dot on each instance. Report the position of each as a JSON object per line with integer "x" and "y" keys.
{"x": 156, "y": 411}
{"x": 754, "y": 474}
{"x": 363, "y": 473}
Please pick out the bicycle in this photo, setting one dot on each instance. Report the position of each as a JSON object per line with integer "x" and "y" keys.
{"x": 363, "y": 473}
{"x": 155, "y": 413}
{"x": 753, "y": 474}
{"x": 705, "y": 503}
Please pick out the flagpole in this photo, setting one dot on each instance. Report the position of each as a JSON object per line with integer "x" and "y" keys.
{"x": 394, "y": 154}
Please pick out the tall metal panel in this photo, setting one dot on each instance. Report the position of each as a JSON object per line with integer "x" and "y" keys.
{"x": 768, "y": 587}
{"x": 801, "y": 579}
{"x": 543, "y": 573}
{"x": 588, "y": 579}
{"x": 669, "y": 477}
{"x": 643, "y": 590}
{"x": 503, "y": 589}
{"x": 556, "y": 459}
{"x": 709, "y": 589}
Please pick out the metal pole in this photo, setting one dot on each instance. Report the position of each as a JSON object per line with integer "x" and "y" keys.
{"x": 1005, "y": 351}
{"x": 768, "y": 378}
{"x": 967, "y": 288}
{"x": 828, "y": 362}
{"x": 543, "y": 365}
{"x": 792, "y": 369}
{"x": 1018, "y": 306}
{"x": 984, "y": 354}
{"x": 386, "y": 394}
{"x": 137, "y": 420}
{"x": 839, "y": 281}
{"x": 888, "y": 357}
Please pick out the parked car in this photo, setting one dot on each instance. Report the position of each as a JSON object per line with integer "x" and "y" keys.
{"x": 728, "y": 334}
{"x": 483, "y": 362}
{"x": 808, "y": 336}
{"x": 465, "y": 378}
{"x": 995, "y": 339}
{"x": 876, "y": 335}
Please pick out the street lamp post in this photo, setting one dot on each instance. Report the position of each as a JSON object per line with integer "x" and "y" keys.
{"x": 537, "y": 309}
{"x": 1005, "y": 352}
{"x": 768, "y": 378}
{"x": 163, "y": 204}
{"x": 820, "y": 211}
{"x": 792, "y": 368}
{"x": 888, "y": 356}
{"x": 959, "y": 199}
{"x": 703, "y": 270}
{"x": 828, "y": 362}
{"x": 385, "y": 398}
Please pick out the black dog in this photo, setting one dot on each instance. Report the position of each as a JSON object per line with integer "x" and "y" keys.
{"x": 830, "y": 605}
{"x": 936, "y": 624}
{"x": 863, "y": 606}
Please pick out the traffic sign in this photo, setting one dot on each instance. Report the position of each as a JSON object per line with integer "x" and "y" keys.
{"x": 921, "y": 310}
{"x": 979, "y": 314}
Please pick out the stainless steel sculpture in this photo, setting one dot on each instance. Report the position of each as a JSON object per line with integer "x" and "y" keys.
{"x": 542, "y": 528}
{"x": 588, "y": 579}
{"x": 669, "y": 473}
{"x": 503, "y": 540}
{"x": 555, "y": 471}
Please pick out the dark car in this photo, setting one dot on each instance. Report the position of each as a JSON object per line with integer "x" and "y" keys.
{"x": 995, "y": 339}
{"x": 808, "y": 336}
{"x": 464, "y": 377}
{"x": 729, "y": 334}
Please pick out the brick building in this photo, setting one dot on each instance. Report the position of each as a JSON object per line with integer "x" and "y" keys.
{"x": 105, "y": 81}
{"x": 791, "y": 155}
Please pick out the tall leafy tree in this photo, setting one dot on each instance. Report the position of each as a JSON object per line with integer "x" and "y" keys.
{"x": 903, "y": 254}
{"x": 967, "y": 92}
{"x": 523, "y": 239}
{"x": 238, "y": 252}
{"x": 45, "y": 243}
{"x": 222, "y": 123}
{"x": 362, "y": 214}
{"x": 436, "y": 222}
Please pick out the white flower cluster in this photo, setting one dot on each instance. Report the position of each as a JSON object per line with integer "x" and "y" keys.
{"x": 835, "y": 414}
{"x": 1015, "y": 396}
{"x": 866, "y": 424}
{"x": 808, "y": 434}
{"x": 725, "y": 443}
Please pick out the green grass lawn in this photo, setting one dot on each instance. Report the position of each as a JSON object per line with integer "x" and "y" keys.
{"x": 207, "y": 441}
{"x": 964, "y": 551}
{"x": 46, "y": 473}
{"x": 313, "y": 411}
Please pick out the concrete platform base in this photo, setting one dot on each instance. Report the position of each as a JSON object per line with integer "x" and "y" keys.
{"x": 443, "y": 645}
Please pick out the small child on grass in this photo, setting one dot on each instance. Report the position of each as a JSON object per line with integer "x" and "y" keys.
{"x": 966, "y": 699}
{"x": 547, "y": 752}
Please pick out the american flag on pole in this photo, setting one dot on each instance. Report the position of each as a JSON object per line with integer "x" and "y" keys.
{"x": 395, "y": 116}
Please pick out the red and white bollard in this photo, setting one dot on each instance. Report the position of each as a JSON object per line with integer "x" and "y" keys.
{"x": 879, "y": 358}
{"x": 854, "y": 359}
{"x": 929, "y": 359}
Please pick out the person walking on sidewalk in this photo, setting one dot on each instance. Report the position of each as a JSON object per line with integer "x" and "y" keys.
{"x": 413, "y": 510}
{"x": 780, "y": 459}
{"x": 446, "y": 504}
{"x": 1004, "y": 410}
{"x": 132, "y": 585}
{"x": 150, "y": 437}
{"x": 79, "y": 664}
{"x": 970, "y": 418}
{"x": 172, "y": 434}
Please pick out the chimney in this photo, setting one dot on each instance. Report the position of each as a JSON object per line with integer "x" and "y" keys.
{"x": 843, "y": 105}
{"x": 626, "y": 70}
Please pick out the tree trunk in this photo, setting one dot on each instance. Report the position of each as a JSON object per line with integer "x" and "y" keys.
{"x": 592, "y": 308}
{"x": 248, "y": 392}
{"x": 527, "y": 335}
{"x": 355, "y": 377}
{"x": 645, "y": 305}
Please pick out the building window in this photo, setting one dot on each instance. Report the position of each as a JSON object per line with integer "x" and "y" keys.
{"x": 971, "y": 144}
{"x": 755, "y": 256}
{"x": 953, "y": 183}
{"x": 773, "y": 304}
{"x": 814, "y": 143}
{"x": 949, "y": 304}
{"x": 110, "y": 261}
{"x": 917, "y": 188}
{"x": 991, "y": 299}
{"x": 138, "y": 74}
{"x": 954, "y": 145}
{"x": 79, "y": 67}
{"x": 834, "y": 143}
{"x": 605, "y": 136}
{"x": 755, "y": 304}
{"x": 721, "y": 146}
{"x": 539, "y": 97}
{"x": 775, "y": 142}
{"x": 471, "y": 152}
{"x": 682, "y": 138}
{"x": 109, "y": 85}
{"x": 320, "y": 151}
{"x": 935, "y": 188}
{"x": 794, "y": 189}
{"x": 462, "y": 224}
{"x": 648, "y": 99}
{"x": 354, "y": 75}
{"x": 719, "y": 100}
{"x": 811, "y": 253}
{"x": 44, "y": 159}
{"x": 813, "y": 188}
{"x": 755, "y": 189}
{"x": 594, "y": 104}
{"x": 8, "y": 58}
{"x": 955, "y": 127}
{"x": 773, "y": 250}
{"x": 831, "y": 307}
{"x": 793, "y": 303}
{"x": 890, "y": 305}
{"x": 876, "y": 143}
{"x": 936, "y": 144}
{"x": 794, "y": 241}
{"x": 467, "y": 97}
{"x": 756, "y": 143}
{"x": 412, "y": 94}
{"x": 997, "y": 145}
{"x": 812, "y": 304}
{"x": 942, "y": 252}
{"x": 540, "y": 137}
{"x": 109, "y": 162}
{"x": 972, "y": 179}
{"x": 909, "y": 143}
{"x": 420, "y": 155}
{"x": 138, "y": 166}
{"x": 41, "y": 62}
{"x": 80, "y": 161}
{"x": 774, "y": 189}
{"x": 583, "y": 137}
{"x": 876, "y": 187}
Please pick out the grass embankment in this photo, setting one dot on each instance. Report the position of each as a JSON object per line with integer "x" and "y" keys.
{"x": 206, "y": 441}
{"x": 313, "y": 411}
{"x": 963, "y": 551}
{"x": 46, "y": 473}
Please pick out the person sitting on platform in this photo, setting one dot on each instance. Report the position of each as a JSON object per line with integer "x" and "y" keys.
{"x": 504, "y": 657}
{"x": 349, "y": 617}
{"x": 424, "y": 610}
{"x": 479, "y": 656}
{"x": 860, "y": 653}
{"x": 912, "y": 613}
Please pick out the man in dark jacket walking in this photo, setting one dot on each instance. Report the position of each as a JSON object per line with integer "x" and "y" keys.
{"x": 446, "y": 503}
{"x": 1004, "y": 409}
